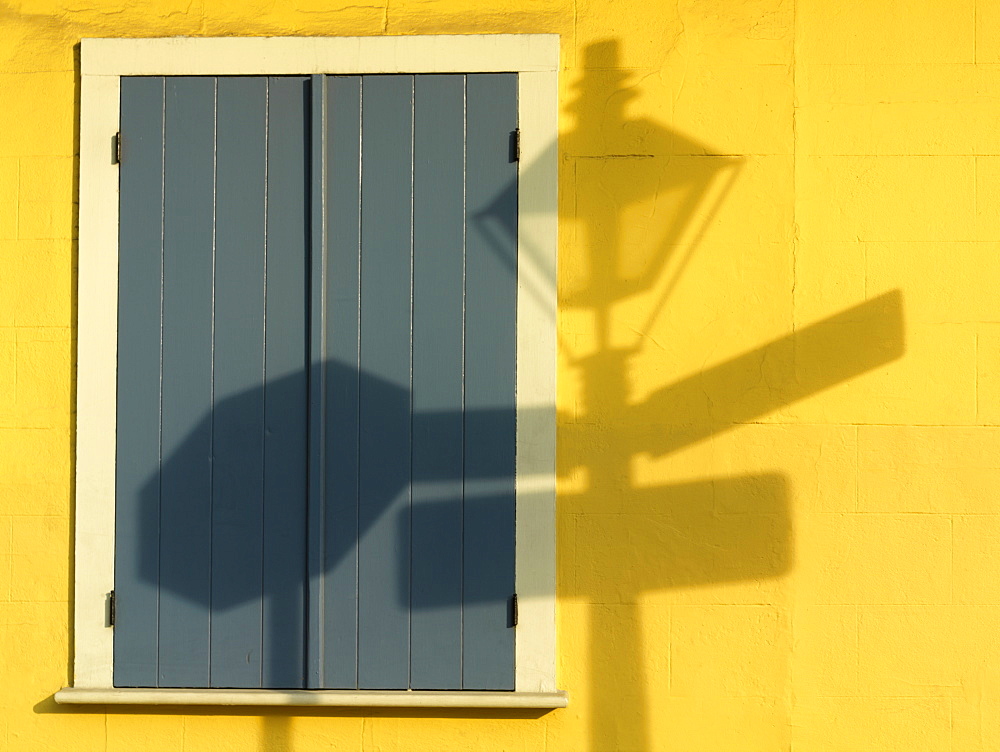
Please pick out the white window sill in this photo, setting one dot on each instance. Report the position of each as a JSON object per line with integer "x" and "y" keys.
{"x": 311, "y": 698}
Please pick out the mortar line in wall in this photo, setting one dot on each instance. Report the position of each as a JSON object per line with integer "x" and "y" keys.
{"x": 874, "y": 424}
{"x": 17, "y": 204}
{"x": 977, "y": 375}
{"x": 857, "y": 648}
{"x": 790, "y": 697}
{"x": 818, "y": 514}
{"x": 838, "y": 155}
{"x": 869, "y": 155}
{"x": 795, "y": 160}
{"x": 979, "y": 715}
{"x": 795, "y": 220}
{"x": 576, "y": 11}
{"x": 864, "y": 261}
{"x": 951, "y": 578}
{"x": 855, "y": 696}
{"x": 857, "y": 468}
{"x": 670, "y": 650}
{"x": 10, "y": 559}
{"x": 951, "y": 724}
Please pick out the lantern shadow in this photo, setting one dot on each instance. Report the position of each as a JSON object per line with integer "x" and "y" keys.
{"x": 628, "y": 540}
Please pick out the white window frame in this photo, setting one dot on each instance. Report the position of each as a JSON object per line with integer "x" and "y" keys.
{"x": 535, "y": 57}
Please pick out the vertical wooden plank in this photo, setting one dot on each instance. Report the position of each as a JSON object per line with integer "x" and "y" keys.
{"x": 491, "y": 308}
{"x": 238, "y": 414}
{"x": 285, "y": 393}
{"x": 137, "y": 483}
{"x": 340, "y": 613}
{"x": 186, "y": 472}
{"x": 438, "y": 302}
{"x": 316, "y": 590}
{"x": 384, "y": 553}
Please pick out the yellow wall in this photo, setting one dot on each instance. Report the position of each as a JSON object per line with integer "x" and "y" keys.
{"x": 772, "y": 535}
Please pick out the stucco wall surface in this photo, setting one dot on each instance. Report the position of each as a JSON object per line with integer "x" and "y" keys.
{"x": 779, "y": 384}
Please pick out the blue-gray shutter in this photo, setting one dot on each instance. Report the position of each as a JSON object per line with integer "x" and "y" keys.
{"x": 316, "y": 382}
{"x": 210, "y": 499}
{"x": 438, "y": 381}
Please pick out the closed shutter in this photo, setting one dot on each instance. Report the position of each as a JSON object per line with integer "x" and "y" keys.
{"x": 315, "y": 482}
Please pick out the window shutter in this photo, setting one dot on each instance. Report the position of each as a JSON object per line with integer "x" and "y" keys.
{"x": 210, "y": 500}
{"x": 316, "y": 404}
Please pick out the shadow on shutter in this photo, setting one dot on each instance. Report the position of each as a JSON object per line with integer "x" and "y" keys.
{"x": 416, "y": 563}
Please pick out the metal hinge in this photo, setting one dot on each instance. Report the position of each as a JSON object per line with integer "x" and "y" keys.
{"x": 111, "y": 608}
{"x": 513, "y": 610}
{"x": 515, "y": 145}
{"x": 116, "y": 157}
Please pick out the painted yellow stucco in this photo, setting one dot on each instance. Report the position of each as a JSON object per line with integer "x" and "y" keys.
{"x": 779, "y": 383}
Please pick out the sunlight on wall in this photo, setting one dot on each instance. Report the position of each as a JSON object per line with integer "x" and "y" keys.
{"x": 779, "y": 377}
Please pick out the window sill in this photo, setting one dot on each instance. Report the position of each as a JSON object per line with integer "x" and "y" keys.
{"x": 311, "y": 698}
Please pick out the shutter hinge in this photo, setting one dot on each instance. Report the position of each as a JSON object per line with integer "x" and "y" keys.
{"x": 111, "y": 608}
{"x": 513, "y": 610}
{"x": 515, "y": 145}
{"x": 116, "y": 154}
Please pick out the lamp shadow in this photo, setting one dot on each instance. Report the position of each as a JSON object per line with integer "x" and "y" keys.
{"x": 630, "y": 541}
{"x": 701, "y": 532}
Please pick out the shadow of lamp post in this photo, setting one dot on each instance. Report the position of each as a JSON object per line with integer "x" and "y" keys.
{"x": 683, "y": 540}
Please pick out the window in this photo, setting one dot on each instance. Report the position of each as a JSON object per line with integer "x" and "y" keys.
{"x": 328, "y": 464}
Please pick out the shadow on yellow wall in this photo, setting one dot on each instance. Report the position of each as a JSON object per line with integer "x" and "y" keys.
{"x": 631, "y": 539}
